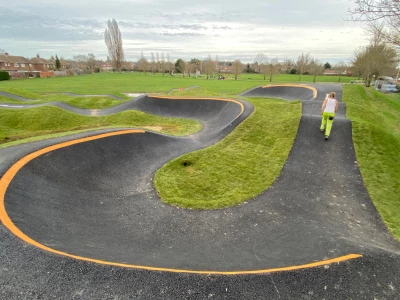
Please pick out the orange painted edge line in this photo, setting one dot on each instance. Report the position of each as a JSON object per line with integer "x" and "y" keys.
{"x": 315, "y": 92}
{"x": 9, "y": 175}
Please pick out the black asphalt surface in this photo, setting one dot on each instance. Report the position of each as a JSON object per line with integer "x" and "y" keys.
{"x": 15, "y": 97}
{"x": 96, "y": 199}
{"x": 281, "y": 92}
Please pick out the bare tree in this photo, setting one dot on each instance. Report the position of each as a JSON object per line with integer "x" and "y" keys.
{"x": 162, "y": 64}
{"x": 194, "y": 64}
{"x": 272, "y": 67}
{"x": 158, "y": 62}
{"x": 237, "y": 68}
{"x": 188, "y": 68}
{"x": 259, "y": 61}
{"x": 217, "y": 68}
{"x": 264, "y": 68}
{"x": 374, "y": 60}
{"x": 143, "y": 64}
{"x": 113, "y": 39}
{"x": 342, "y": 68}
{"x": 288, "y": 64}
{"x": 359, "y": 61}
{"x": 382, "y": 17}
{"x": 91, "y": 62}
{"x": 302, "y": 63}
{"x": 79, "y": 63}
{"x": 153, "y": 64}
{"x": 169, "y": 65}
{"x": 209, "y": 66}
{"x": 316, "y": 68}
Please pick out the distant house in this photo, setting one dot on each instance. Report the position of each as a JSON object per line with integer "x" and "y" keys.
{"x": 64, "y": 64}
{"x": 14, "y": 63}
{"x": 225, "y": 69}
{"x": 107, "y": 67}
{"x": 337, "y": 72}
{"x": 41, "y": 64}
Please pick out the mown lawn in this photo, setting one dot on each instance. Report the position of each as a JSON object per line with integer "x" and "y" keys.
{"x": 238, "y": 168}
{"x": 80, "y": 102}
{"x": 18, "y": 125}
{"x": 376, "y": 136}
{"x": 95, "y": 102}
{"x": 375, "y": 118}
{"x": 114, "y": 83}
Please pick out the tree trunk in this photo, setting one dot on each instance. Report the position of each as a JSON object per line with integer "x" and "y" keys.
{"x": 367, "y": 81}
{"x": 314, "y": 78}
{"x": 270, "y": 77}
{"x": 264, "y": 76}
{"x": 235, "y": 76}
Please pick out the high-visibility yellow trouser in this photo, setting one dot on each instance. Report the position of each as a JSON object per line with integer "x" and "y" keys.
{"x": 327, "y": 120}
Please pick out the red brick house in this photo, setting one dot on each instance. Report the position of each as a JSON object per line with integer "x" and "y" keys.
{"x": 41, "y": 64}
{"x": 14, "y": 63}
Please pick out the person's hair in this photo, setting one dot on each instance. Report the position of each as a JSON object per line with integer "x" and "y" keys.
{"x": 332, "y": 94}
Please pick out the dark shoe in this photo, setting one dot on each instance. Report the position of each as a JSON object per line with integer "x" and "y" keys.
{"x": 326, "y": 137}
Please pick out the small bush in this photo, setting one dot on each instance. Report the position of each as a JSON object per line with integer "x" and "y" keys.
{"x": 4, "y": 76}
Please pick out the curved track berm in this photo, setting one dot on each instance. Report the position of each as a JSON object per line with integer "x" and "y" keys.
{"x": 95, "y": 199}
{"x": 283, "y": 91}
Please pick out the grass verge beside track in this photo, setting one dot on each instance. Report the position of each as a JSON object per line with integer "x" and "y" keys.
{"x": 22, "y": 124}
{"x": 376, "y": 136}
{"x": 95, "y": 102}
{"x": 239, "y": 167}
{"x": 21, "y": 93}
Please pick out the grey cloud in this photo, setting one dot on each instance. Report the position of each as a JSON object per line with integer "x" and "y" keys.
{"x": 182, "y": 34}
{"x": 27, "y": 26}
{"x": 158, "y": 24}
{"x": 142, "y": 25}
{"x": 194, "y": 27}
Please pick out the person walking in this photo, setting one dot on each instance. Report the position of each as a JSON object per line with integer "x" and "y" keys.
{"x": 328, "y": 110}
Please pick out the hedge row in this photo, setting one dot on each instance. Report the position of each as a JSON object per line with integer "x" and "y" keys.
{"x": 4, "y": 76}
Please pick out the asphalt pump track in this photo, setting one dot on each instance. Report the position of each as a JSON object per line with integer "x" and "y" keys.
{"x": 91, "y": 204}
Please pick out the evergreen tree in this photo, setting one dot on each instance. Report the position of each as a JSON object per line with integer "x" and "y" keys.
{"x": 327, "y": 66}
{"x": 58, "y": 64}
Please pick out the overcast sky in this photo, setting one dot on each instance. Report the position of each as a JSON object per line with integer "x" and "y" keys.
{"x": 182, "y": 28}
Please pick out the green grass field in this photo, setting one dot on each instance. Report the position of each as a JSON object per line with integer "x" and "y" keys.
{"x": 239, "y": 167}
{"x": 18, "y": 125}
{"x": 80, "y": 102}
{"x": 375, "y": 118}
{"x": 376, "y": 136}
{"x": 110, "y": 83}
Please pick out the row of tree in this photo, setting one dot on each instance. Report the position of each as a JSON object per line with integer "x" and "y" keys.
{"x": 381, "y": 16}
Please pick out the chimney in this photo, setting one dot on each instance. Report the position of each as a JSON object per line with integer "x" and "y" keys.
{"x": 37, "y": 55}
